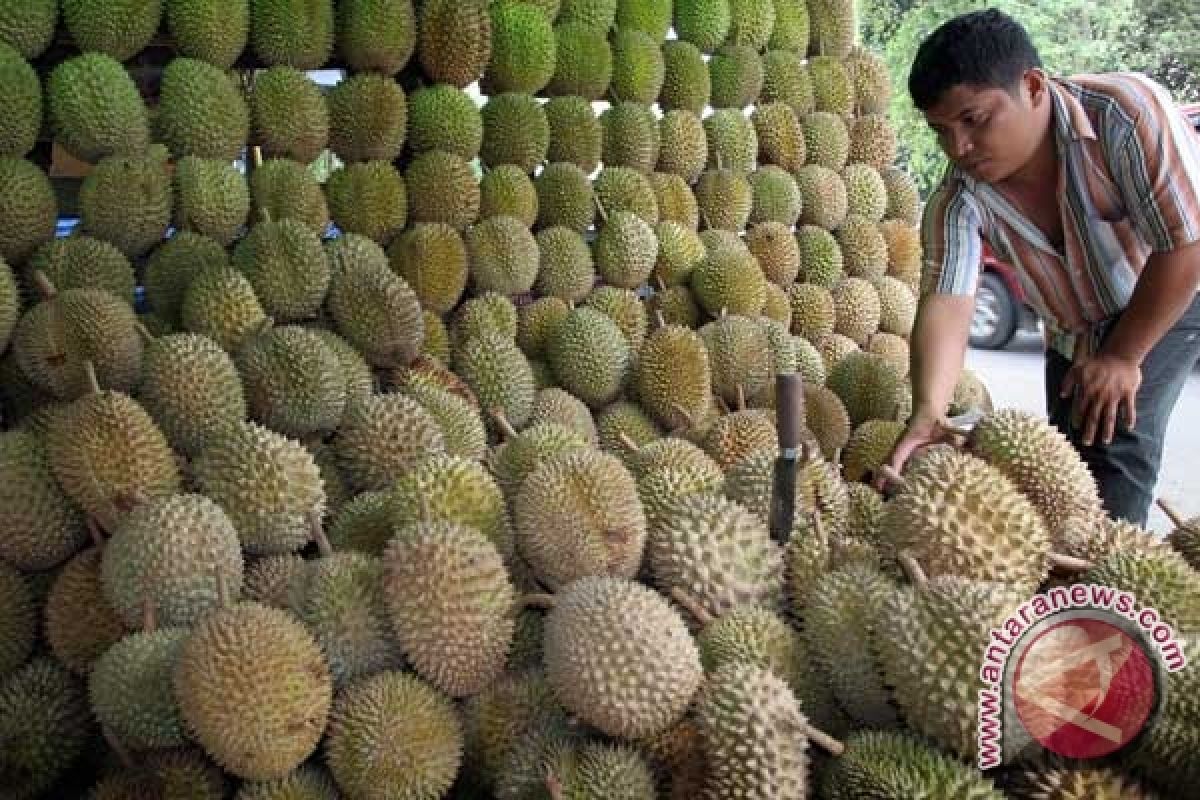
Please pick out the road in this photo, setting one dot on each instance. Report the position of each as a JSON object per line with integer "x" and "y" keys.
{"x": 1014, "y": 378}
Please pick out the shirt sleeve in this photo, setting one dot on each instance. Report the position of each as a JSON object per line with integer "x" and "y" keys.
{"x": 1157, "y": 169}
{"x": 951, "y": 239}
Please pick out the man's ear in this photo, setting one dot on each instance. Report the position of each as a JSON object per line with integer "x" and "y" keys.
{"x": 1034, "y": 81}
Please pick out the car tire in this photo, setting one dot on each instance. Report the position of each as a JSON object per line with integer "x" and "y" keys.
{"x": 995, "y": 320}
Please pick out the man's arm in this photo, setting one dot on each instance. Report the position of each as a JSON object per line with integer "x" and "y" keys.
{"x": 1110, "y": 379}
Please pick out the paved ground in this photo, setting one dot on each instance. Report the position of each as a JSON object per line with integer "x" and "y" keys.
{"x": 1014, "y": 378}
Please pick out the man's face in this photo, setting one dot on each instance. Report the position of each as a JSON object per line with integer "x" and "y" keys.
{"x": 989, "y": 133}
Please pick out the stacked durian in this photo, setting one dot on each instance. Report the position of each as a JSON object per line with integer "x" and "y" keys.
{"x": 414, "y": 437}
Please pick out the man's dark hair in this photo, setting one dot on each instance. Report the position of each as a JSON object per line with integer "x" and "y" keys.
{"x": 985, "y": 49}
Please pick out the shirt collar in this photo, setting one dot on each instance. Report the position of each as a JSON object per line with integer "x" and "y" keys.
{"x": 1070, "y": 119}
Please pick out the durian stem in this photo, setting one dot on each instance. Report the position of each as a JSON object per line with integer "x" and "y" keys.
{"x": 1066, "y": 563}
{"x": 628, "y": 443}
{"x": 89, "y": 372}
{"x": 503, "y": 424}
{"x": 600, "y": 209}
{"x": 891, "y": 476}
{"x": 717, "y": 154}
{"x": 317, "y": 529}
{"x": 1173, "y": 514}
{"x": 149, "y": 617}
{"x": 118, "y": 748}
{"x": 683, "y": 412}
{"x": 956, "y": 430}
{"x": 721, "y": 404}
{"x": 554, "y": 786}
{"x": 741, "y": 397}
{"x": 258, "y": 157}
{"x": 143, "y": 331}
{"x": 129, "y": 499}
{"x": 659, "y": 319}
{"x": 44, "y": 286}
{"x": 823, "y": 740}
{"x": 659, "y": 283}
{"x": 94, "y": 531}
{"x": 913, "y": 569}
{"x": 691, "y": 605}
{"x": 538, "y": 600}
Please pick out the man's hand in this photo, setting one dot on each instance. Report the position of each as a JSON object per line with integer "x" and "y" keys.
{"x": 922, "y": 431}
{"x": 1101, "y": 385}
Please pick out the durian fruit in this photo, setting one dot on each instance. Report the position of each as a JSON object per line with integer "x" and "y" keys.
{"x": 631, "y": 136}
{"x": 931, "y": 652}
{"x": 190, "y": 387}
{"x": 432, "y": 260}
{"x": 268, "y": 485}
{"x": 523, "y": 49}
{"x": 842, "y": 616}
{"x": 834, "y": 348}
{"x": 305, "y": 782}
{"x": 451, "y": 604}
{"x": 454, "y": 40}
{"x": 825, "y": 200}
{"x": 221, "y": 304}
{"x": 79, "y": 624}
{"x": 809, "y": 362}
{"x": 882, "y": 763}
{"x": 625, "y": 250}
{"x": 382, "y": 436}
{"x": 819, "y": 488}
{"x": 638, "y": 67}
{"x": 211, "y": 198}
{"x": 127, "y": 200}
{"x": 298, "y": 34}
{"x": 687, "y": 85}
{"x": 94, "y": 108}
{"x": 165, "y": 773}
{"x": 625, "y": 308}
{"x": 378, "y": 37}
{"x": 1165, "y": 753}
{"x": 522, "y": 453}
{"x": 897, "y": 306}
{"x": 736, "y": 76}
{"x": 672, "y": 375}
{"x": 626, "y": 681}
{"x": 23, "y": 97}
{"x": 559, "y": 406}
{"x": 293, "y": 381}
{"x": 130, "y": 688}
{"x": 288, "y": 115}
{"x": 171, "y": 552}
{"x": 624, "y": 189}
{"x": 864, "y": 250}
{"x": 1051, "y": 778}
{"x": 1158, "y": 578}
{"x": 499, "y": 374}
{"x": 360, "y": 381}
{"x": 956, "y": 515}
{"x": 826, "y": 417}
{"x": 583, "y": 63}
{"x": 10, "y": 304}
{"x": 45, "y": 725}
{"x": 869, "y": 447}
{"x": 867, "y": 384}
{"x": 578, "y": 514}
{"x": 717, "y": 551}
{"x": 343, "y": 607}
{"x": 463, "y": 431}
{"x": 725, "y": 198}
{"x": 452, "y": 489}
{"x": 421, "y": 765}
{"x": 287, "y": 266}
{"x": 736, "y": 436}
{"x": 676, "y": 201}
{"x": 576, "y": 136}
{"x": 703, "y": 23}
{"x": 856, "y": 309}
{"x": 284, "y": 189}
{"x": 368, "y": 198}
{"x": 18, "y": 621}
{"x": 1039, "y": 461}
{"x": 279, "y": 581}
{"x": 833, "y": 89}
{"x": 776, "y": 197}
{"x": 105, "y": 447}
{"x": 970, "y": 393}
{"x": 564, "y": 198}
{"x": 503, "y": 255}
{"x": 683, "y": 150}
{"x": 680, "y": 249}
{"x": 873, "y": 141}
{"x": 215, "y": 31}
{"x": 41, "y": 526}
{"x": 826, "y": 140}
{"x": 374, "y": 308}
{"x": 536, "y": 323}
{"x": 732, "y": 141}
{"x": 590, "y": 356}
{"x": 29, "y": 26}
{"x": 813, "y": 311}
{"x": 443, "y": 117}
{"x": 487, "y": 313}
{"x": 506, "y": 190}
{"x": 442, "y": 188}
{"x": 254, "y": 690}
{"x": 747, "y": 709}
{"x": 739, "y": 356}
{"x": 792, "y": 28}
{"x": 1185, "y": 538}
{"x": 515, "y": 131}
{"x": 785, "y": 80}
{"x": 201, "y": 111}
{"x": 120, "y": 31}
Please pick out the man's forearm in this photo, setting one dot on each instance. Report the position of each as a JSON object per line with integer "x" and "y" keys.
{"x": 939, "y": 344}
{"x": 1164, "y": 291}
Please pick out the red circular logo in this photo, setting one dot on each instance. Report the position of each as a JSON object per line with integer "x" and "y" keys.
{"x": 1084, "y": 688}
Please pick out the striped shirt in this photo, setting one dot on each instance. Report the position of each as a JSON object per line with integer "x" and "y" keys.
{"x": 1130, "y": 186}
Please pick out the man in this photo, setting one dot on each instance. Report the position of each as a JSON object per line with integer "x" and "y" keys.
{"x": 1090, "y": 188}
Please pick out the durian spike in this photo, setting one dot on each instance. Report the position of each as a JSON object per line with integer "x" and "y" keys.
{"x": 659, "y": 283}
{"x": 45, "y": 288}
{"x": 118, "y": 748}
{"x": 143, "y": 331}
{"x": 258, "y": 156}
{"x": 690, "y": 604}
{"x": 1066, "y": 563}
{"x": 538, "y": 600}
{"x": 1173, "y": 514}
{"x": 94, "y": 530}
{"x": 554, "y": 786}
{"x": 913, "y": 569}
{"x": 891, "y": 476}
{"x": 823, "y": 740}
{"x": 503, "y": 424}
{"x": 659, "y": 319}
{"x": 627, "y": 442}
{"x": 600, "y": 208}
{"x": 89, "y": 372}
{"x": 149, "y": 616}
{"x": 317, "y": 529}
{"x": 741, "y": 397}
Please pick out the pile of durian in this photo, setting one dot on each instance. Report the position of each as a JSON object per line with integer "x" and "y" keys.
{"x": 468, "y": 498}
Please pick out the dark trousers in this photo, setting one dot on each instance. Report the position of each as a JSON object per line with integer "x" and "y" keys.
{"x": 1127, "y": 468}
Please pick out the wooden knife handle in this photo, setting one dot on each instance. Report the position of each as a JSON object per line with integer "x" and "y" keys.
{"x": 789, "y": 409}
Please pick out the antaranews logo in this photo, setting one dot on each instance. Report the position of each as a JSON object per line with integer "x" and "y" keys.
{"x": 1077, "y": 670}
